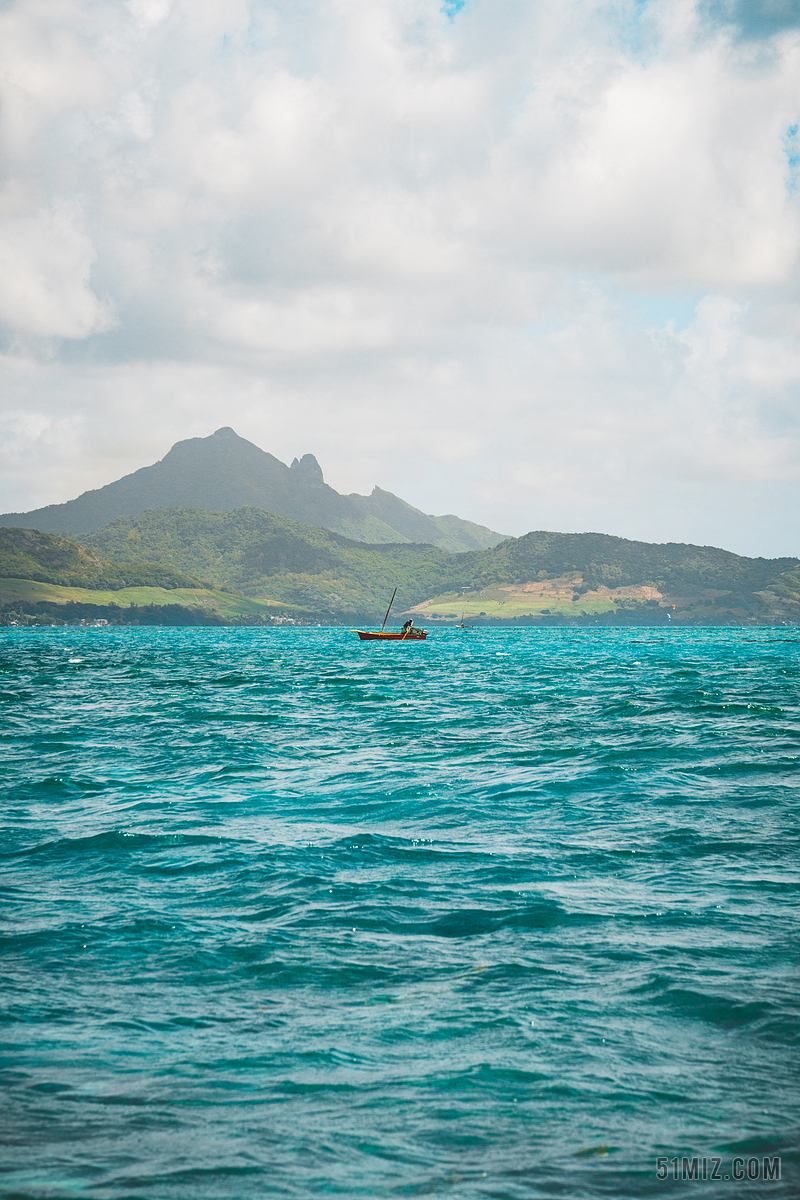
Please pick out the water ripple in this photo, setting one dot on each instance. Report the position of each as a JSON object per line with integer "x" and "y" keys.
{"x": 507, "y": 914}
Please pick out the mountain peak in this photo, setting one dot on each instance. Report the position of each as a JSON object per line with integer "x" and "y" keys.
{"x": 309, "y": 467}
{"x": 225, "y": 472}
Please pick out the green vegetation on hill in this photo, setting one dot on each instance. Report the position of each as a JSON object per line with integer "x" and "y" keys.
{"x": 28, "y": 554}
{"x": 601, "y": 559}
{"x": 264, "y": 555}
{"x": 787, "y": 586}
{"x": 228, "y": 604}
{"x": 51, "y": 580}
{"x": 25, "y": 602}
{"x": 250, "y": 557}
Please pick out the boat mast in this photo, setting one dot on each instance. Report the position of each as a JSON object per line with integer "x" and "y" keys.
{"x": 389, "y": 609}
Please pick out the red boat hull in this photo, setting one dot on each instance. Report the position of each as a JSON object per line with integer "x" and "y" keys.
{"x": 413, "y": 635}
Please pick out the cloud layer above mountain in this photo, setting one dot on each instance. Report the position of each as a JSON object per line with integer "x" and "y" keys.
{"x": 534, "y": 263}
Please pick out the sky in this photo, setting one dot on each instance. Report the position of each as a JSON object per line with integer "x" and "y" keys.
{"x": 534, "y": 264}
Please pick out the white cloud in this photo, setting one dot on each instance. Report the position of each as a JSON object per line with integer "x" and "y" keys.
{"x": 405, "y": 242}
{"x": 45, "y": 262}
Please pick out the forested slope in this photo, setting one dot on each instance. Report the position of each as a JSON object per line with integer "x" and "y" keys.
{"x": 30, "y": 554}
{"x": 262, "y": 554}
{"x": 602, "y": 559}
{"x": 328, "y": 577}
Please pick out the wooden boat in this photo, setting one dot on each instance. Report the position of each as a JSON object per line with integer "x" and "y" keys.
{"x": 410, "y": 635}
{"x": 404, "y": 635}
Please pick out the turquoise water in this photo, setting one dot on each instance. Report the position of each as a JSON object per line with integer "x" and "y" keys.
{"x": 285, "y": 914}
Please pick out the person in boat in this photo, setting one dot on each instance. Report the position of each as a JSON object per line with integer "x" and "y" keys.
{"x": 408, "y": 626}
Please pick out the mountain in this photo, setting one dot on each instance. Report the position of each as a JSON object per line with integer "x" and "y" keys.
{"x": 598, "y": 578}
{"x": 50, "y": 580}
{"x": 604, "y": 560}
{"x": 224, "y": 472}
{"x": 541, "y": 576}
{"x": 260, "y": 554}
{"x": 253, "y": 564}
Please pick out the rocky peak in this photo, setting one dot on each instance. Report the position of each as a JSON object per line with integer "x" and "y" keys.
{"x": 309, "y": 468}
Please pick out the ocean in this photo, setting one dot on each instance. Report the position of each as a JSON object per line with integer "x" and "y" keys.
{"x": 507, "y": 914}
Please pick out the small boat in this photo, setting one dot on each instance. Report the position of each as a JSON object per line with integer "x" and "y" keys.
{"x": 410, "y": 635}
{"x": 407, "y": 634}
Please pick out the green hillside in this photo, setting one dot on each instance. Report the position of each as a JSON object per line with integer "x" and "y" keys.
{"x": 601, "y": 559}
{"x": 264, "y": 555}
{"x": 49, "y": 579}
{"x": 225, "y": 603}
{"x": 252, "y": 561}
{"x": 24, "y": 601}
{"x": 28, "y": 554}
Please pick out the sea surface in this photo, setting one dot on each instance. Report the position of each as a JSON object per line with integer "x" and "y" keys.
{"x": 505, "y": 914}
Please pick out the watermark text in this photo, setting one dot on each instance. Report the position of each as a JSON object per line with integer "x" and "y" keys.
{"x": 713, "y": 1168}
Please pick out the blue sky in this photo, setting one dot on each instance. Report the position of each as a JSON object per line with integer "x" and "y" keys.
{"x": 534, "y": 264}
{"x": 452, "y": 8}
